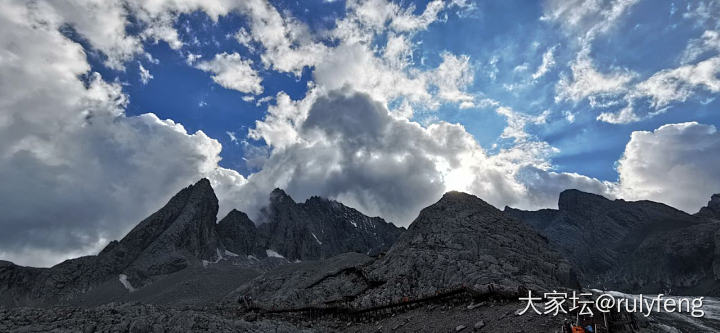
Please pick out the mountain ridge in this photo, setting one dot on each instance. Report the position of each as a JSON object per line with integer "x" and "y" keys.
{"x": 184, "y": 235}
{"x": 638, "y": 246}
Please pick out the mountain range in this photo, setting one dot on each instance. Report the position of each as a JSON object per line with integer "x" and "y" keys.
{"x": 323, "y": 254}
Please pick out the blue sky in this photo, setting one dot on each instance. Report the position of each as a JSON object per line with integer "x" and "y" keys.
{"x": 110, "y": 107}
{"x": 650, "y": 37}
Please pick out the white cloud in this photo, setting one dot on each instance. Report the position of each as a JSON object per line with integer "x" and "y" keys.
{"x": 347, "y": 146}
{"x": 708, "y": 42}
{"x": 452, "y": 77}
{"x": 233, "y": 72}
{"x": 287, "y": 44}
{"x": 232, "y": 136}
{"x": 586, "y": 18}
{"x": 569, "y": 116}
{"x": 666, "y": 87}
{"x": 191, "y": 58}
{"x": 678, "y": 84}
{"x": 624, "y": 116}
{"x": 406, "y": 21}
{"x": 516, "y": 123}
{"x": 145, "y": 75}
{"x": 618, "y": 85}
{"x": 675, "y": 164}
{"x": 548, "y": 61}
{"x": 356, "y": 66}
{"x": 586, "y": 81}
{"x": 77, "y": 171}
{"x": 704, "y": 13}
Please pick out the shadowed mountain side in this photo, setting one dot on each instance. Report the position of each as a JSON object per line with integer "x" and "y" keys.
{"x": 239, "y": 234}
{"x": 638, "y": 247}
{"x": 321, "y": 228}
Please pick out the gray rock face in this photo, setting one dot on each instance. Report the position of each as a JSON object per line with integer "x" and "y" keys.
{"x": 179, "y": 234}
{"x": 712, "y": 210}
{"x": 238, "y": 234}
{"x": 461, "y": 239}
{"x": 640, "y": 246}
{"x": 321, "y": 228}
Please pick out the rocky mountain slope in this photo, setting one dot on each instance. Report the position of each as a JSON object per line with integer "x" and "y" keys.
{"x": 639, "y": 246}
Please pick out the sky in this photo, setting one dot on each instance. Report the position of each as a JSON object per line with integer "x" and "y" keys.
{"x": 108, "y": 108}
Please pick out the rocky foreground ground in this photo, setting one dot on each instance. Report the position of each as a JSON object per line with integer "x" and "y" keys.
{"x": 484, "y": 317}
{"x": 489, "y": 316}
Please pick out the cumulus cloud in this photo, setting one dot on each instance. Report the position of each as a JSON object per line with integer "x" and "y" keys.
{"x": 356, "y": 66}
{"x": 675, "y": 164}
{"x": 286, "y": 44}
{"x": 346, "y": 145}
{"x": 231, "y": 71}
{"x": 77, "y": 171}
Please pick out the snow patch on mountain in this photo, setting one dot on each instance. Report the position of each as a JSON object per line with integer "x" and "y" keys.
{"x": 273, "y": 254}
{"x": 124, "y": 280}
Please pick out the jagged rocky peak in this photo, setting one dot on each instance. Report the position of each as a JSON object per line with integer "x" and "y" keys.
{"x": 278, "y": 196}
{"x": 179, "y": 234}
{"x": 320, "y": 228}
{"x": 712, "y": 210}
{"x": 238, "y": 233}
{"x": 199, "y": 196}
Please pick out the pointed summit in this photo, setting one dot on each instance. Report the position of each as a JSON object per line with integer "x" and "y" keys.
{"x": 462, "y": 198}
{"x": 238, "y": 234}
{"x": 181, "y": 232}
{"x": 279, "y": 196}
{"x": 321, "y": 228}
